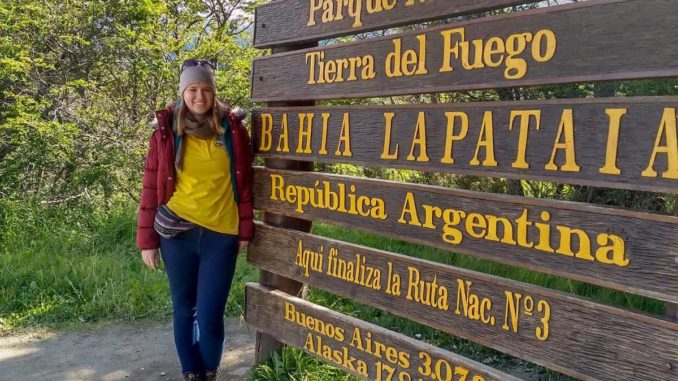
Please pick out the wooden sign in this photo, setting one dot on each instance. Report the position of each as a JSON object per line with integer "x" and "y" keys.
{"x": 622, "y": 249}
{"x": 628, "y": 143}
{"x": 587, "y": 41}
{"x": 572, "y": 335}
{"x": 360, "y": 348}
{"x": 294, "y": 21}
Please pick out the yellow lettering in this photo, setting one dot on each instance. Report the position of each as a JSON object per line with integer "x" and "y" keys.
{"x": 328, "y": 11}
{"x": 409, "y": 208}
{"x": 612, "y": 250}
{"x": 486, "y": 140}
{"x": 321, "y": 71}
{"x": 373, "y": 6}
{"x": 388, "y": 6}
{"x": 345, "y": 137}
{"x": 412, "y": 283}
{"x": 314, "y": 6}
{"x": 452, "y": 218}
{"x": 283, "y": 140}
{"x": 289, "y": 311}
{"x": 495, "y": 45}
{"x": 667, "y": 128}
{"x": 565, "y": 248}
{"x": 393, "y": 60}
{"x": 304, "y": 144}
{"x": 355, "y": 11}
{"x": 451, "y": 137}
{"x": 550, "y": 45}
{"x": 544, "y": 243}
{"x": 511, "y": 311}
{"x": 524, "y": 116}
{"x": 421, "y": 60}
{"x": 355, "y": 63}
{"x": 473, "y": 221}
{"x": 323, "y": 142}
{"x": 431, "y": 211}
{"x": 419, "y": 140}
{"x": 492, "y": 223}
{"x": 615, "y": 115}
{"x": 277, "y": 192}
{"x": 448, "y": 49}
{"x": 385, "y": 155}
{"x": 542, "y": 332}
{"x": 368, "y": 68}
{"x": 515, "y": 45}
{"x": 466, "y": 52}
{"x": 462, "y": 296}
{"x": 266, "y": 132}
{"x": 566, "y": 128}
{"x": 477, "y": 53}
{"x": 311, "y": 60}
{"x": 523, "y": 223}
{"x": 330, "y": 71}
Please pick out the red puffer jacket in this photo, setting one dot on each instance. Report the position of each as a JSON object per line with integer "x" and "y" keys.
{"x": 159, "y": 177}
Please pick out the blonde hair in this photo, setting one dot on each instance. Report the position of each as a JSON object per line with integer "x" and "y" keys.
{"x": 218, "y": 110}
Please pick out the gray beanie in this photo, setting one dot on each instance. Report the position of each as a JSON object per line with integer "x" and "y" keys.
{"x": 195, "y": 74}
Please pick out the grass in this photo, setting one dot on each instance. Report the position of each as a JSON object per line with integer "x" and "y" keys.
{"x": 60, "y": 268}
{"x": 294, "y": 365}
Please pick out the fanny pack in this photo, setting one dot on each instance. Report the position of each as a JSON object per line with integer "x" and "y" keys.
{"x": 168, "y": 224}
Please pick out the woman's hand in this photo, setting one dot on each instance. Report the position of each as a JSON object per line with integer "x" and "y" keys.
{"x": 242, "y": 245}
{"x": 151, "y": 258}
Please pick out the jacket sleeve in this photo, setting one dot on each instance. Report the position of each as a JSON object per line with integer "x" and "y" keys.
{"x": 245, "y": 206}
{"x": 147, "y": 237}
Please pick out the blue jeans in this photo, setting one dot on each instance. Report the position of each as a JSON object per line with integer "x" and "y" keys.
{"x": 200, "y": 265}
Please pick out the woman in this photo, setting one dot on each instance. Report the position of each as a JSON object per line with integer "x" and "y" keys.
{"x": 201, "y": 220}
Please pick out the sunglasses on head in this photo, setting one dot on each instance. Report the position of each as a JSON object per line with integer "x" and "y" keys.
{"x": 203, "y": 63}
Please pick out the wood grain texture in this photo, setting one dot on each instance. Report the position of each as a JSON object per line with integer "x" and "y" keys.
{"x": 267, "y": 344}
{"x": 267, "y": 310}
{"x": 636, "y": 141}
{"x": 585, "y": 339}
{"x": 285, "y": 21}
{"x": 596, "y": 40}
{"x": 651, "y": 268}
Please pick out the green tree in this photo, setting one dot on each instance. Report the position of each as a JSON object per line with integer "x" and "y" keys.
{"x": 78, "y": 80}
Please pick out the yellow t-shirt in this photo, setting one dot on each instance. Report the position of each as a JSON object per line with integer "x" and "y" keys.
{"x": 204, "y": 193}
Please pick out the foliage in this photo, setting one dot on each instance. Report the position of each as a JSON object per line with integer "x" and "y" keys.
{"x": 68, "y": 265}
{"x": 78, "y": 82}
{"x": 293, "y": 365}
{"x": 79, "y": 78}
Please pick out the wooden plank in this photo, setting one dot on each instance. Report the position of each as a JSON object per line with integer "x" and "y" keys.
{"x": 621, "y": 249}
{"x": 293, "y": 21}
{"x": 363, "y": 349}
{"x": 267, "y": 344}
{"x": 671, "y": 309}
{"x": 572, "y": 335}
{"x": 614, "y": 140}
{"x": 586, "y": 41}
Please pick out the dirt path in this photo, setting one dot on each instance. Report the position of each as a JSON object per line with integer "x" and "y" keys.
{"x": 138, "y": 352}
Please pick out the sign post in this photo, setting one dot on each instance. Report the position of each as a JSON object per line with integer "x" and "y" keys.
{"x": 265, "y": 343}
{"x": 626, "y": 143}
